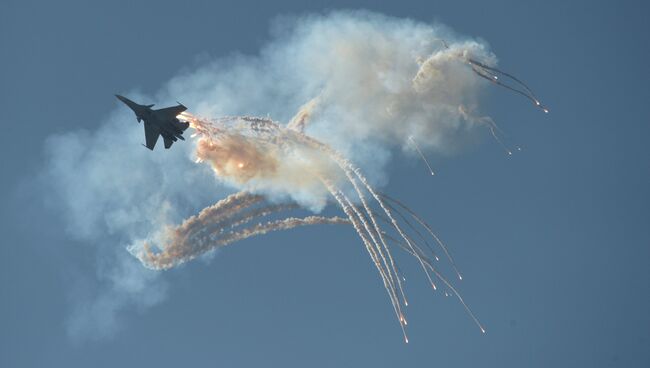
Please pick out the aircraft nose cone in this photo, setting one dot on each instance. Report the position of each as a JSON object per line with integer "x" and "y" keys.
{"x": 132, "y": 105}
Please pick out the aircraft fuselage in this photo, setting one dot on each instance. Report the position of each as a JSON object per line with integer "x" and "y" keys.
{"x": 158, "y": 122}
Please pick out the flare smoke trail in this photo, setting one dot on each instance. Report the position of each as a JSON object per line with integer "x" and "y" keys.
{"x": 232, "y": 146}
{"x": 352, "y": 87}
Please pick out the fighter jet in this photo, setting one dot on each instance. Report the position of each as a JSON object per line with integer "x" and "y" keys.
{"x": 158, "y": 122}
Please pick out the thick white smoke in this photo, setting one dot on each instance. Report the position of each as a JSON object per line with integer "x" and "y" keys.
{"x": 113, "y": 192}
{"x": 372, "y": 81}
{"x": 363, "y": 83}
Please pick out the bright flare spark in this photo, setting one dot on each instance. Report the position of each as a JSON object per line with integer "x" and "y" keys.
{"x": 421, "y": 155}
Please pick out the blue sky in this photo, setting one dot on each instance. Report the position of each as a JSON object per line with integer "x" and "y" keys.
{"x": 553, "y": 242}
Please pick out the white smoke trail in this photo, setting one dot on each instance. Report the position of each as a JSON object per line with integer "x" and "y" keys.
{"x": 183, "y": 250}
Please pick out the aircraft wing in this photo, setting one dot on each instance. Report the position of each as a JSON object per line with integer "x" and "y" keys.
{"x": 172, "y": 111}
{"x": 151, "y": 134}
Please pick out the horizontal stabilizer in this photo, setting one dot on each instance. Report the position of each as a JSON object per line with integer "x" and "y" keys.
{"x": 168, "y": 142}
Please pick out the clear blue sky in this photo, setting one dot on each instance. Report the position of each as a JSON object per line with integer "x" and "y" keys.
{"x": 554, "y": 242}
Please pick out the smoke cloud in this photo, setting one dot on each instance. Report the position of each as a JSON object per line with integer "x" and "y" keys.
{"x": 367, "y": 82}
{"x": 113, "y": 192}
{"x": 360, "y": 82}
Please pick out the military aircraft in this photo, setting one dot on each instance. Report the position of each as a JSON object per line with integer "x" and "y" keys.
{"x": 159, "y": 122}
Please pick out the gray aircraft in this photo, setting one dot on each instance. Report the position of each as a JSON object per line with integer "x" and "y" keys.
{"x": 159, "y": 122}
